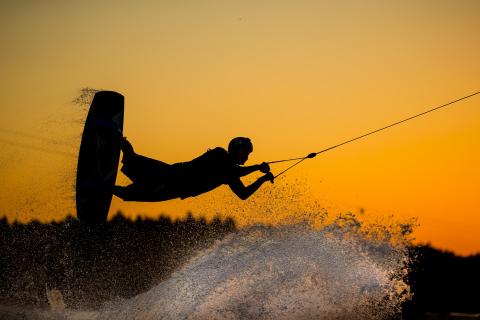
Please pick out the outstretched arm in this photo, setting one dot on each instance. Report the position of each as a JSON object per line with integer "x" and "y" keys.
{"x": 246, "y": 170}
{"x": 243, "y": 192}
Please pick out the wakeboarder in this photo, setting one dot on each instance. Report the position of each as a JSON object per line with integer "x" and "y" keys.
{"x": 154, "y": 180}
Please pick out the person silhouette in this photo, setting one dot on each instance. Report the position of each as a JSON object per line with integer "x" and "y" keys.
{"x": 154, "y": 180}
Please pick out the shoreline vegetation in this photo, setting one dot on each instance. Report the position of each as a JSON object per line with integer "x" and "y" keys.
{"x": 90, "y": 265}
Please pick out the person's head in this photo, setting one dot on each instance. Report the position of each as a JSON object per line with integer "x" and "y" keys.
{"x": 239, "y": 148}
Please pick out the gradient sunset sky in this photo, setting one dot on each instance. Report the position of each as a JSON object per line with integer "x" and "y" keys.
{"x": 294, "y": 76}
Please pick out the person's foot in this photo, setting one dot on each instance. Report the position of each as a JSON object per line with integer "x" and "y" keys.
{"x": 118, "y": 191}
{"x": 127, "y": 149}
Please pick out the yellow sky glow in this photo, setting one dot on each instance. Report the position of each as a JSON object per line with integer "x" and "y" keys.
{"x": 295, "y": 77}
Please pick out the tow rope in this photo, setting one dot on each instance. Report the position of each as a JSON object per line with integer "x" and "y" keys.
{"x": 313, "y": 154}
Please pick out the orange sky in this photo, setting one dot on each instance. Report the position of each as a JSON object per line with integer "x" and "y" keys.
{"x": 294, "y": 76}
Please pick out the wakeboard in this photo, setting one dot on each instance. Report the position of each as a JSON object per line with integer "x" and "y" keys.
{"x": 99, "y": 156}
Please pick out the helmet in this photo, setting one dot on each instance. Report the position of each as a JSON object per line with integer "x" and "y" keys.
{"x": 239, "y": 142}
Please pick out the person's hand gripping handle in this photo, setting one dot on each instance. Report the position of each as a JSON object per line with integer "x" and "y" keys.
{"x": 269, "y": 176}
{"x": 265, "y": 168}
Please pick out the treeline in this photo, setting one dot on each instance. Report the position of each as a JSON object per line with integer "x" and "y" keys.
{"x": 442, "y": 283}
{"x": 90, "y": 265}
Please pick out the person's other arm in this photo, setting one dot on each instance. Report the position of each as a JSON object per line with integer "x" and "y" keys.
{"x": 243, "y": 192}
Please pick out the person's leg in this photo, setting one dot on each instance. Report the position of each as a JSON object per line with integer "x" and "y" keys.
{"x": 141, "y": 168}
{"x": 138, "y": 192}
{"x": 145, "y": 170}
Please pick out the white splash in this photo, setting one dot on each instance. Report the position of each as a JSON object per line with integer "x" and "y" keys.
{"x": 290, "y": 272}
